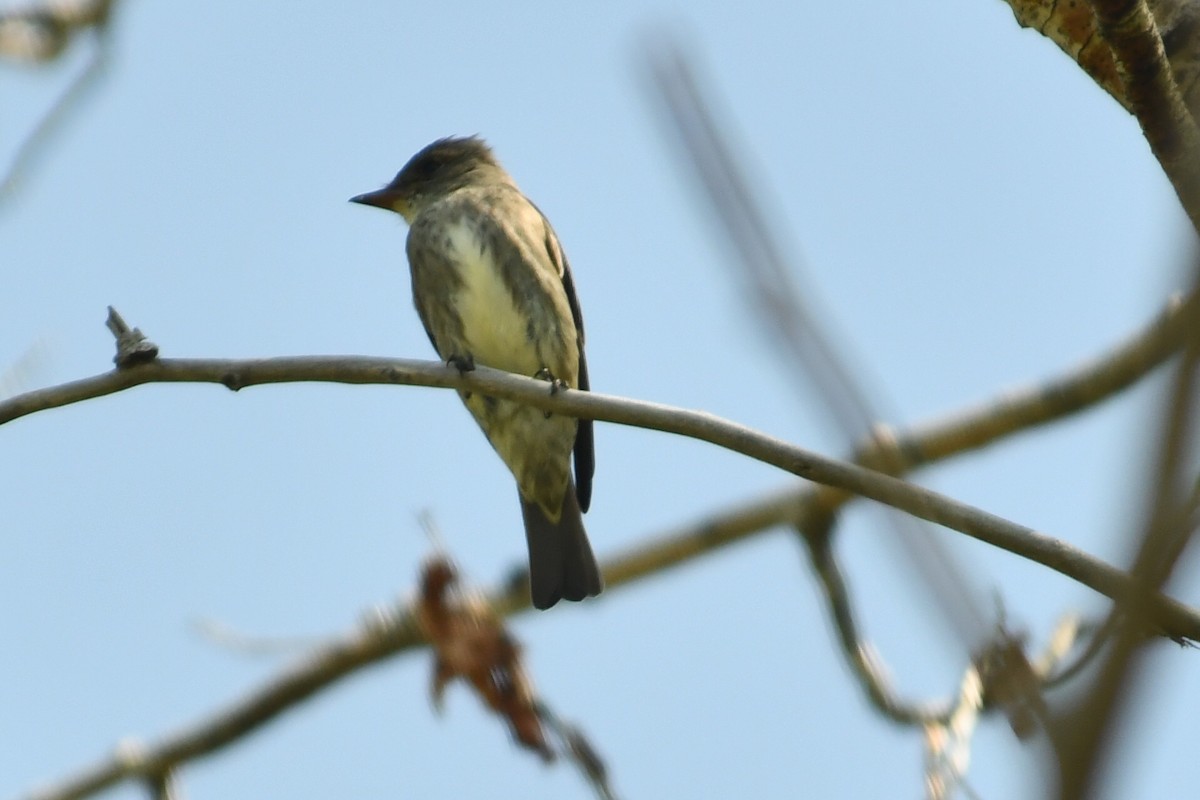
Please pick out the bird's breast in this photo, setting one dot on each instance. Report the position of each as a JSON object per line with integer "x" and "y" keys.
{"x": 495, "y": 326}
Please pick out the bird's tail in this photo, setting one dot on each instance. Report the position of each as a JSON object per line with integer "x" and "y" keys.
{"x": 561, "y": 563}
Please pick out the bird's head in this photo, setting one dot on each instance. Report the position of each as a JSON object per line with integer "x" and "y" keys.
{"x": 437, "y": 170}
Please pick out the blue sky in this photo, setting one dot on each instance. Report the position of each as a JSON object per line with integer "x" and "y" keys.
{"x": 975, "y": 215}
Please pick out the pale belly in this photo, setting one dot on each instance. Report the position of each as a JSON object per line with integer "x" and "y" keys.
{"x": 496, "y": 331}
{"x": 536, "y": 447}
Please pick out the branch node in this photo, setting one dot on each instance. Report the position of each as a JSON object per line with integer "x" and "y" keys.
{"x": 133, "y": 347}
{"x": 131, "y": 755}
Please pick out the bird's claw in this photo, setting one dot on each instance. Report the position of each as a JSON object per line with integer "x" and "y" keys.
{"x": 462, "y": 363}
{"x": 556, "y": 385}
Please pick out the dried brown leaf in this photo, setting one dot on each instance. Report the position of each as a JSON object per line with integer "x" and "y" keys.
{"x": 470, "y": 641}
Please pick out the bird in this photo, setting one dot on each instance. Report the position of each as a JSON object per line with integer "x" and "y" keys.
{"x": 492, "y": 287}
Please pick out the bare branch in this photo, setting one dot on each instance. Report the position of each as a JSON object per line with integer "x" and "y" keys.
{"x": 1147, "y": 56}
{"x": 1087, "y": 385}
{"x": 228, "y": 638}
{"x": 925, "y": 443}
{"x": 320, "y": 669}
{"x": 391, "y": 632}
{"x": 771, "y": 277}
{"x": 858, "y": 652}
{"x": 1023, "y": 408}
{"x": 235, "y": 374}
{"x": 48, "y": 31}
{"x": 1089, "y": 733}
{"x": 772, "y": 273}
{"x": 1131, "y": 32}
{"x": 1075, "y": 29}
{"x": 970, "y": 429}
{"x": 581, "y": 752}
{"x": 948, "y": 742}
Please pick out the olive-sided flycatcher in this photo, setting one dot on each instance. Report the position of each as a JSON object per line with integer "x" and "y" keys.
{"x": 492, "y": 286}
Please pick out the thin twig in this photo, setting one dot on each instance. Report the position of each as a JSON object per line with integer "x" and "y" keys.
{"x": 580, "y": 751}
{"x": 224, "y": 636}
{"x": 16, "y": 376}
{"x": 861, "y": 656}
{"x": 948, "y": 742}
{"x": 1020, "y": 408}
{"x": 97, "y": 21}
{"x": 772, "y": 273}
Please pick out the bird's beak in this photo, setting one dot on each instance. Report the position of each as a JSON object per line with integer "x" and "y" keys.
{"x": 380, "y": 198}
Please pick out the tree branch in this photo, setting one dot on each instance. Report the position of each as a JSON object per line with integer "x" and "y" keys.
{"x": 1089, "y": 734}
{"x": 1130, "y": 30}
{"x": 391, "y": 632}
{"x": 1023, "y": 408}
{"x": 1176, "y": 619}
{"x": 396, "y": 633}
{"x": 885, "y": 489}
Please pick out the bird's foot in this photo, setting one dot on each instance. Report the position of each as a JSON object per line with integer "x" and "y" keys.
{"x": 556, "y": 385}
{"x": 462, "y": 363}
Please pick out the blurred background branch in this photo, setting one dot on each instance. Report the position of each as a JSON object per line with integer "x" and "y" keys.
{"x": 39, "y": 34}
{"x": 395, "y": 631}
{"x": 1090, "y": 730}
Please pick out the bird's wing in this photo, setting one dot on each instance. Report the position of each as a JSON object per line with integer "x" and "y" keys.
{"x": 428, "y": 260}
{"x": 585, "y": 455}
